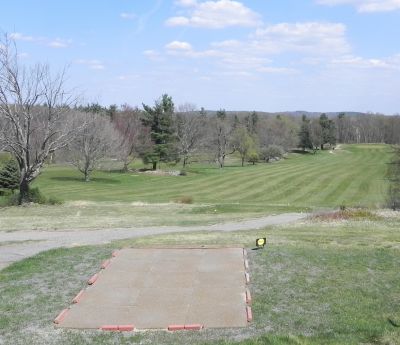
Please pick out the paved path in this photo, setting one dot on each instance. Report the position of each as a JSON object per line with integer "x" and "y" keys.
{"x": 45, "y": 240}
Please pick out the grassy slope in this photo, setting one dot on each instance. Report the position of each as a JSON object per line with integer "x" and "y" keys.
{"x": 352, "y": 176}
{"x": 315, "y": 283}
{"x": 349, "y": 176}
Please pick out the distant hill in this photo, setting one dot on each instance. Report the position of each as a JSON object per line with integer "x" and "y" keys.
{"x": 297, "y": 113}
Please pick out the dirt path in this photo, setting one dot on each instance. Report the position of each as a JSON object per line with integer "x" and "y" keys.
{"x": 18, "y": 245}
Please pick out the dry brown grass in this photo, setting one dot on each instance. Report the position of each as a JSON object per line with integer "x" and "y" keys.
{"x": 347, "y": 214}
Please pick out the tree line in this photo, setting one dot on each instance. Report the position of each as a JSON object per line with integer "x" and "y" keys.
{"x": 41, "y": 121}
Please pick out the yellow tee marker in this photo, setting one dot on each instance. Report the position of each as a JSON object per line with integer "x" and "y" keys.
{"x": 260, "y": 242}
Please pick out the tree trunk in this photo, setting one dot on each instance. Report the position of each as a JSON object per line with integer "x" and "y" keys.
{"x": 23, "y": 191}
{"x": 242, "y": 161}
{"x": 322, "y": 147}
{"x": 87, "y": 176}
{"x": 154, "y": 165}
{"x": 125, "y": 167}
{"x": 221, "y": 162}
{"x": 184, "y": 162}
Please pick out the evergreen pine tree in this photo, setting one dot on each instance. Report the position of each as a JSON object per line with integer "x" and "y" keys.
{"x": 305, "y": 134}
{"x": 9, "y": 176}
{"x": 159, "y": 120}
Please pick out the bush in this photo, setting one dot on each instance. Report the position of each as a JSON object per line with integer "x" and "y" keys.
{"x": 35, "y": 197}
{"x": 253, "y": 158}
{"x": 393, "y": 198}
{"x": 54, "y": 201}
{"x": 272, "y": 152}
{"x": 185, "y": 199}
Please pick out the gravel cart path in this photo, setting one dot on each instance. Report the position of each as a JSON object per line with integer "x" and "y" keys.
{"x": 18, "y": 245}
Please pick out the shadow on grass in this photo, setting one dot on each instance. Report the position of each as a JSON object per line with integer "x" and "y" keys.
{"x": 302, "y": 152}
{"x": 80, "y": 179}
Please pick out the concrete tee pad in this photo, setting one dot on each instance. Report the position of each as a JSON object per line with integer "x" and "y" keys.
{"x": 156, "y": 288}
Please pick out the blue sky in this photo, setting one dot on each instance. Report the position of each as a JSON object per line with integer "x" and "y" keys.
{"x": 266, "y": 55}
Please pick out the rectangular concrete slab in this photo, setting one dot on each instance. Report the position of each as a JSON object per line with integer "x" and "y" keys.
{"x": 155, "y": 288}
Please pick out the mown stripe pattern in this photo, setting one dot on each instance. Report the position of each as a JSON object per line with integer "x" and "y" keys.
{"x": 352, "y": 175}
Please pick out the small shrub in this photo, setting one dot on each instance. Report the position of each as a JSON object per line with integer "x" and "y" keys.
{"x": 253, "y": 157}
{"x": 393, "y": 198}
{"x": 342, "y": 207}
{"x": 54, "y": 201}
{"x": 35, "y": 197}
{"x": 185, "y": 199}
{"x": 11, "y": 200}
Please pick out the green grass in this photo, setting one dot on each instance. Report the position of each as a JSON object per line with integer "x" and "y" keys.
{"x": 334, "y": 282}
{"x": 351, "y": 176}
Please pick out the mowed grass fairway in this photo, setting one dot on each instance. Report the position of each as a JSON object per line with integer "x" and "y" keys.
{"x": 315, "y": 283}
{"x": 352, "y": 175}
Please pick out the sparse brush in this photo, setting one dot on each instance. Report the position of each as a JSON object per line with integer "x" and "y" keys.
{"x": 348, "y": 214}
{"x": 185, "y": 199}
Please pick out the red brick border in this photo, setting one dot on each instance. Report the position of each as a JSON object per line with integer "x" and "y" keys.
{"x": 109, "y": 328}
{"x": 120, "y": 328}
{"x": 194, "y": 327}
{"x": 105, "y": 264}
{"x": 93, "y": 279}
{"x": 78, "y": 297}
{"x": 61, "y": 316}
{"x": 248, "y": 296}
{"x": 173, "y": 328}
{"x": 126, "y": 328}
{"x": 247, "y": 277}
{"x": 249, "y": 314}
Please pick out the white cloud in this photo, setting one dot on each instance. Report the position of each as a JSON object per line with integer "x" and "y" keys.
{"x": 153, "y": 55}
{"x": 297, "y": 42}
{"x": 215, "y": 14}
{"x": 128, "y": 15}
{"x": 59, "y": 43}
{"x": 309, "y": 38}
{"x": 391, "y": 63}
{"x": 92, "y": 64}
{"x": 178, "y": 45}
{"x": 52, "y": 43}
{"x": 186, "y": 3}
{"x": 17, "y": 36}
{"x": 366, "y": 5}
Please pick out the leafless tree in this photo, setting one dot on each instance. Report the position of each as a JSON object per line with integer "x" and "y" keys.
{"x": 132, "y": 132}
{"x": 34, "y": 108}
{"x": 98, "y": 140}
{"x": 190, "y": 131}
{"x": 221, "y": 135}
{"x": 281, "y": 131}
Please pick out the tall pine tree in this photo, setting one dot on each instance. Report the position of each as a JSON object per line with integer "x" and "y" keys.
{"x": 159, "y": 119}
{"x": 305, "y": 141}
